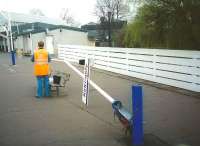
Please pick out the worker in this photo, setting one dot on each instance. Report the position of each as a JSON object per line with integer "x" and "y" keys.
{"x": 41, "y": 61}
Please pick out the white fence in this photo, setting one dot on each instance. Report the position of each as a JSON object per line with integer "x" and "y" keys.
{"x": 171, "y": 67}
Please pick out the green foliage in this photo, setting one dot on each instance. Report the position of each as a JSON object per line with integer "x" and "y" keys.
{"x": 165, "y": 24}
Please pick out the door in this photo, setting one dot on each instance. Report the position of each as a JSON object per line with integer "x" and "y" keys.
{"x": 49, "y": 44}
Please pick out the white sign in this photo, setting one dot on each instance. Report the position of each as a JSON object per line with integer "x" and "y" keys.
{"x": 85, "y": 92}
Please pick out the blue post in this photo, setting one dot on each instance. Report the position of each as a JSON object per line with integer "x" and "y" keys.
{"x": 137, "y": 105}
{"x": 13, "y": 57}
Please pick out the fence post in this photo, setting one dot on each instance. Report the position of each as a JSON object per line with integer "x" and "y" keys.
{"x": 127, "y": 62}
{"x": 137, "y": 105}
{"x": 154, "y": 64}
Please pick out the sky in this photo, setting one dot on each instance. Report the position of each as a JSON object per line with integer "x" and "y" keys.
{"x": 81, "y": 10}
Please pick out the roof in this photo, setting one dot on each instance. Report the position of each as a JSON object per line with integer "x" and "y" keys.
{"x": 91, "y": 23}
{"x": 89, "y": 26}
{"x": 38, "y": 27}
{"x": 28, "y": 18}
{"x": 117, "y": 24}
{"x": 99, "y": 31}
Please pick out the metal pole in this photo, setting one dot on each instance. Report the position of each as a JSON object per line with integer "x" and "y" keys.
{"x": 7, "y": 39}
{"x": 11, "y": 40}
{"x": 10, "y": 31}
{"x": 31, "y": 43}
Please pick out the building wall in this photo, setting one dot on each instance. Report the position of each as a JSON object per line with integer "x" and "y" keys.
{"x": 70, "y": 37}
{"x": 37, "y": 37}
{"x": 67, "y": 37}
{"x": 28, "y": 42}
{"x": 4, "y": 45}
{"x": 1, "y": 42}
{"x": 18, "y": 43}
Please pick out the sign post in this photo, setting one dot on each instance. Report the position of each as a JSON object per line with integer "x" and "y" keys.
{"x": 86, "y": 78}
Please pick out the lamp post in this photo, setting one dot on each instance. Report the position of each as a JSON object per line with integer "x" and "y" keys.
{"x": 11, "y": 41}
{"x": 9, "y": 34}
{"x": 109, "y": 29}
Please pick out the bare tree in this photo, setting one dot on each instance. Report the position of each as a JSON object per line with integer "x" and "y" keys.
{"x": 122, "y": 9}
{"x": 67, "y": 17}
{"x": 36, "y": 12}
{"x": 117, "y": 8}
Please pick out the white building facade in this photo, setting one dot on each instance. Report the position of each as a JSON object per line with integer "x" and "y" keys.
{"x": 28, "y": 42}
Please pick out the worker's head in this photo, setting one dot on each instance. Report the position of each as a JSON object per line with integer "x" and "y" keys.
{"x": 41, "y": 44}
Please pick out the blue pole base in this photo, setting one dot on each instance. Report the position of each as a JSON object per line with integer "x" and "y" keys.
{"x": 13, "y": 57}
{"x": 137, "y": 105}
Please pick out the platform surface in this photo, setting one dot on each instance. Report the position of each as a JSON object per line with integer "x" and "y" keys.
{"x": 170, "y": 117}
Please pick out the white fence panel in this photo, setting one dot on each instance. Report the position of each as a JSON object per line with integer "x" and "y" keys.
{"x": 98, "y": 62}
{"x": 171, "y": 67}
{"x": 141, "y": 76}
{"x": 141, "y": 57}
{"x": 177, "y": 61}
{"x": 140, "y": 63}
{"x": 175, "y": 76}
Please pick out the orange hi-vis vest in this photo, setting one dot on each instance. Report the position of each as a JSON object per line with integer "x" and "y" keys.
{"x": 41, "y": 66}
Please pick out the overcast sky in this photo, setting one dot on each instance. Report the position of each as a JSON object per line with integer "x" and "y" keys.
{"x": 81, "y": 10}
